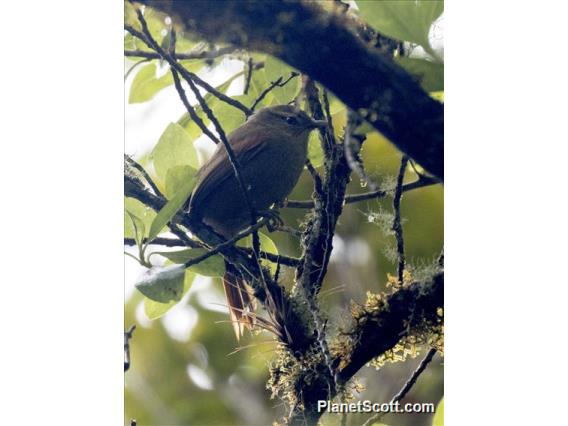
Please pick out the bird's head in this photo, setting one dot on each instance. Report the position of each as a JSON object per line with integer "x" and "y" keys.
{"x": 288, "y": 119}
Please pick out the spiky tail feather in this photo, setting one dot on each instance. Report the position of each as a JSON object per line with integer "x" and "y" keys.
{"x": 239, "y": 300}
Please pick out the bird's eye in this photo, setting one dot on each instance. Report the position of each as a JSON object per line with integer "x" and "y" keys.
{"x": 292, "y": 120}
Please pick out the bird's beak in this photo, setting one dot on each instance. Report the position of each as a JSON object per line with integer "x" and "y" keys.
{"x": 319, "y": 123}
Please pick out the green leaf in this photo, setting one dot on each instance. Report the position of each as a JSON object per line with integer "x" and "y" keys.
{"x": 403, "y": 20}
{"x": 129, "y": 43}
{"x": 430, "y": 74}
{"x": 142, "y": 212}
{"x": 176, "y": 178}
{"x": 185, "y": 120}
{"x": 315, "y": 151}
{"x": 213, "y": 266}
{"x": 130, "y": 17}
{"x": 229, "y": 117}
{"x": 439, "y": 416}
{"x": 145, "y": 84}
{"x": 174, "y": 148}
{"x": 439, "y": 96}
{"x": 138, "y": 228}
{"x": 156, "y": 21}
{"x": 163, "y": 284}
{"x": 171, "y": 208}
{"x": 155, "y": 310}
{"x": 266, "y": 244}
{"x": 273, "y": 70}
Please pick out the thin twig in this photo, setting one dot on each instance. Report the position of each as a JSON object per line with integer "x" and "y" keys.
{"x": 228, "y": 243}
{"x": 406, "y": 388}
{"x": 174, "y": 242}
{"x": 134, "y": 66}
{"x": 328, "y": 113}
{"x": 277, "y": 83}
{"x": 249, "y": 76}
{"x": 397, "y": 225}
{"x": 309, "y": 204}
{"x": 352, "y": 146}
{"x": 127, "y": 337}
{"x": 183, "y": 56}
{"x": 158, "y": 241}
{"x": 185, "y": 73}
{"x": 190, "y": 109}
{"x": 318, "y": 184}
{"x": 289, "y": 230}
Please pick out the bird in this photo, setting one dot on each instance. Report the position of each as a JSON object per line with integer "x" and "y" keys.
{"x": 271, "y": 151}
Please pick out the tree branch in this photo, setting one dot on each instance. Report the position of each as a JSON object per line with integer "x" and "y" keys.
{"x": 352, "y": 144}
{"x": 397, "y": 224}
{"x": 182, "y": 56}
{"x": 174, "y": 242}
{"x": 277, "y": 83}
{"x": 127, "y": 337}
{"x": 312, "y": 40}
{"x": 373, "y": 335}
{"x": 422, "y": 182}
{"x": 407, "y": 386}
{"x": 328, "y": 203}
{"x": 188, "y": 74}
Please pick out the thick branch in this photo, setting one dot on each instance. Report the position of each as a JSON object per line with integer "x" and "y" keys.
{"x": 328, "y": 203}
{"x": 380, "y": 332}
{"x": 315, "y": 41}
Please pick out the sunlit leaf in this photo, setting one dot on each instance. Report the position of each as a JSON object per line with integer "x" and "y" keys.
{"x": 138, "y": 227}
{"x": 176, "y": 178}
{"x": 429, "y": 74}
{"x": 315, "y": 151}
{"x": 162, "y": 284}
{"x": 130, "y": 17}
{"x": 138, "y": 209}
{"x": 439, "y": 96}
{"x": 213, "y": 266}
{"x": 171, "y": 208}
{"x": 185, "y": 120}
{"x": 129, "y": 43}
{"x": 403, "y": 20}
{"x": 145, "y": 84}
{"x": 174, "y": 148}
{"x": 229, "y": 117}
{"x": 438, "y": 419}
{"x": 156, "y": 21}
{"x": 155, "y": 310}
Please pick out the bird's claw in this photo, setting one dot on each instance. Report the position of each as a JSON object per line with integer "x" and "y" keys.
{"x": 274, "y": 219}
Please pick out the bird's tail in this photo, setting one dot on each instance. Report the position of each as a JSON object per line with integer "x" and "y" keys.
{"x": 239, "y": 300}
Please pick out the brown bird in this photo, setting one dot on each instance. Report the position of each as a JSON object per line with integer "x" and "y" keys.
{"x": 271, "y": 148}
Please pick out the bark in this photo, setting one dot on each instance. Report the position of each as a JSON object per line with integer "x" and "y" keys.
{"x": 325, "y": 46}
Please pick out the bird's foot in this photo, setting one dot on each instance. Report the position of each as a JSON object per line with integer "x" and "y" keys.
{"x": 274, "y": 219}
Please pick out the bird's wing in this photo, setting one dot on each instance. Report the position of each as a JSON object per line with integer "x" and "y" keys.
{"x": 245, "y": 147}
